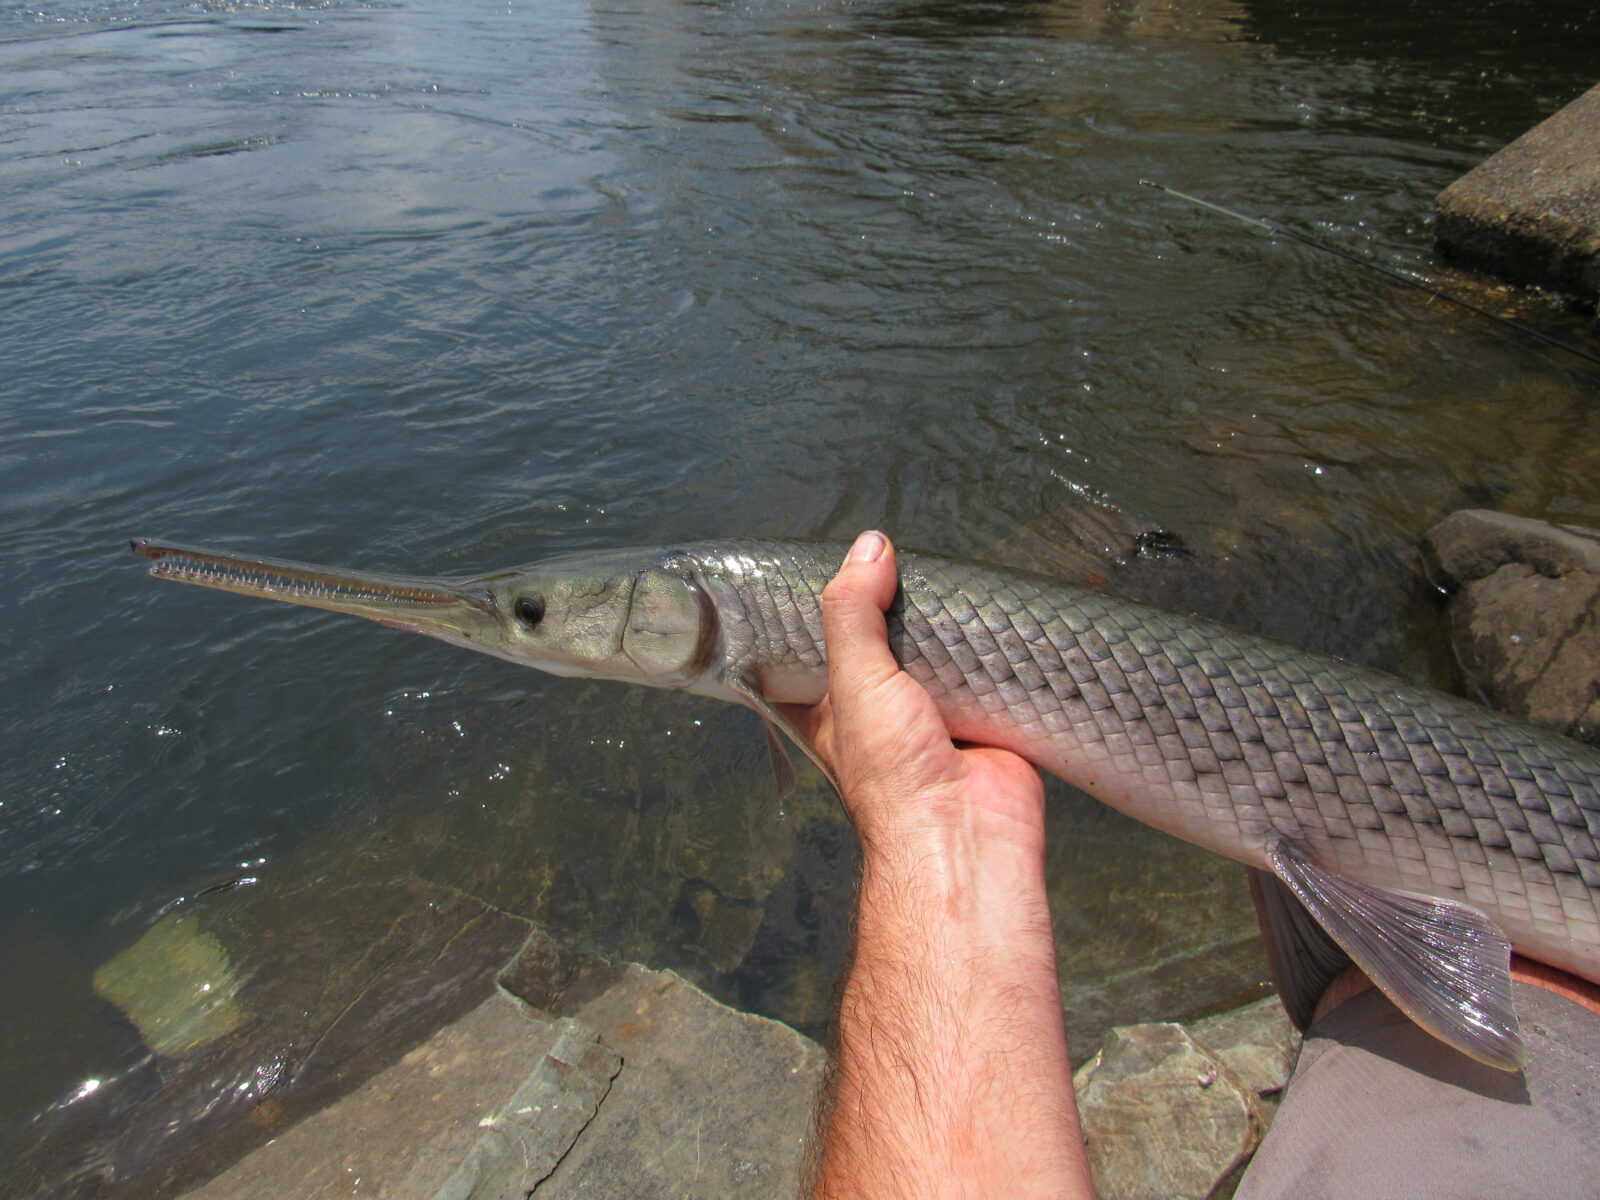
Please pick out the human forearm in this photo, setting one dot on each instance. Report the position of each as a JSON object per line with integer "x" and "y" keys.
{"x": 952, "y": 1077}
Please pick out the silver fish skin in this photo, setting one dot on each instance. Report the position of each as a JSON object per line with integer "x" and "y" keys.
{"x": 1417, "y": 828}
{"x": 1226, "y": 739}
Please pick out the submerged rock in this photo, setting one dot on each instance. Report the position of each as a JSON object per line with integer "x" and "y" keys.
{"x": 176, "y": 985}
{"x": 1524, "y": 614}
{"x": 265, "y": 1004}
{"x": 710, "y": 1101}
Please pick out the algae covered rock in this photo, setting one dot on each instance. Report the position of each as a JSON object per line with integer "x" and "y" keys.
{"x": 176, "y": 985}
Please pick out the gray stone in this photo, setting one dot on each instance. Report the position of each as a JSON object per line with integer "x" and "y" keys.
{"x": 1257, "y": 1043}
{"x": 1163, "y": 1117}
{"x": 406, "y": 1132}
{"x": 710, "y": 1102}
{"x": 651, "y": 1089}
{"x": 1525, "y": 614}
{"x": 1531, "y": 213}
{"x": 522, "y": 1143}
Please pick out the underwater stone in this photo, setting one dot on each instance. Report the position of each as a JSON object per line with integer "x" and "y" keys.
{"x": 176, "y": 985}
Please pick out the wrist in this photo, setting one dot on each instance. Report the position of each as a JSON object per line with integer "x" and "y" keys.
{"x": 942, "y": 828}
{"x": 941, "y": 895}
{"x": 970, "y": 855}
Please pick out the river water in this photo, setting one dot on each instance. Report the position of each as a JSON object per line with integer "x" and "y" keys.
{"x": 441, "y": 287}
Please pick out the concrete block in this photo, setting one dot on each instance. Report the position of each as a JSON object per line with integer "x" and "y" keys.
{"x": 1530, "y": 214}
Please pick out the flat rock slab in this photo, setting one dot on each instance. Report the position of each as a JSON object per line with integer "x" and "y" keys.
{"x": 407, "y": 1132}
{"x": 710, "y": 1102}
{"x": 1256, "y": 1042}
{"x": 1531, "y": 213}
{"x": 651, "y": 1089}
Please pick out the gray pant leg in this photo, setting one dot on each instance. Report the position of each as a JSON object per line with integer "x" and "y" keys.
{"x": 1378, "y": 1109}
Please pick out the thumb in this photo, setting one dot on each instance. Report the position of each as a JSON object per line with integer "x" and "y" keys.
{"x": 853, "y": 625}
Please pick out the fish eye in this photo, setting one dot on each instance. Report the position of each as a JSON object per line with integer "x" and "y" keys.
{"x": 529, "y": 610}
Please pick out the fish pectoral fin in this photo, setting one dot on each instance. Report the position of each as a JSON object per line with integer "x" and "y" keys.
{"x": 775, "y": 721}
{"x": 782, "y": 764}
{"x": 1445, "y": 965}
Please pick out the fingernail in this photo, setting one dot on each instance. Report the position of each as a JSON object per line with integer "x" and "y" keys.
{"x": 868, "y": 548}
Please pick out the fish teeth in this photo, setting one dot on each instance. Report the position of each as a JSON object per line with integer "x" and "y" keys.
{"x": 269, "y": 582}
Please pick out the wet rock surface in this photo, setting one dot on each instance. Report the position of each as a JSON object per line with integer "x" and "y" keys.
{"x": 1531, "y": 213}
{"x": 1524, "y": 614}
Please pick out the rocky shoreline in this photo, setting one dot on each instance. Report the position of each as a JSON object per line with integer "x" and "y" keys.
{"x": 641, "y": 1085}
{"x": 619, "y": 1082}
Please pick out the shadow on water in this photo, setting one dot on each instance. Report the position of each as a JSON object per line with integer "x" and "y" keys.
{"x": 411, "y": 287}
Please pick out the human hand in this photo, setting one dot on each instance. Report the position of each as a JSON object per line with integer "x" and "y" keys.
{"x": 902, "y": 778}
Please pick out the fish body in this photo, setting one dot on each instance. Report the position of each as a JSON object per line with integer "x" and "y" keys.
{"x": 1228, "y": 740}
{"x": 1422, "y": 832}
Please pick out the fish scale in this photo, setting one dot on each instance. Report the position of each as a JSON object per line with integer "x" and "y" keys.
{"x": 1228, "y": 740}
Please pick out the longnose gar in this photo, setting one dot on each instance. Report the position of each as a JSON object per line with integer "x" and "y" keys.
{"x": 1424, "y": 834}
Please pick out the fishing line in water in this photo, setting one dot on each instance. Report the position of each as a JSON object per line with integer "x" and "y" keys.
{"x": 1272, "y": 230}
